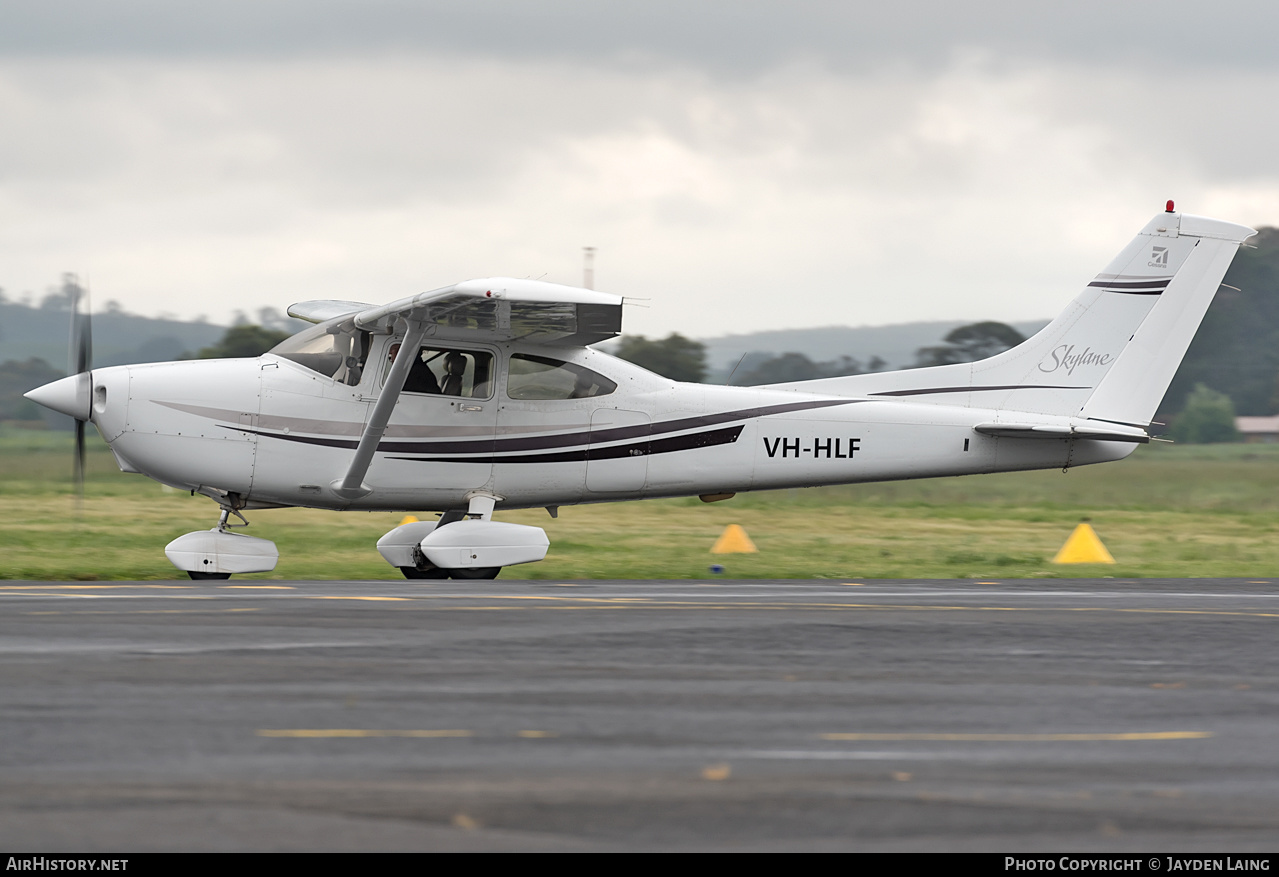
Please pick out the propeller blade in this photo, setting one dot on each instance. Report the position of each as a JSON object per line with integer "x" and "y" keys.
{"x": 81, "y": 365}
{"x": 81, "y": 326}
{"x": 79, "y": 460}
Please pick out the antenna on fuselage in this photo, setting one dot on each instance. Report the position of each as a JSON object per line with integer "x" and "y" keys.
{"x": 588, "y": 267}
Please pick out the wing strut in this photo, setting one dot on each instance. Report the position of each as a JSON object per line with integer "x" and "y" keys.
{"x": 352, "y": 486}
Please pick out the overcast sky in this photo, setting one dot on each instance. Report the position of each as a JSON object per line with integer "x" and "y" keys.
{"x": 740, "y": 165}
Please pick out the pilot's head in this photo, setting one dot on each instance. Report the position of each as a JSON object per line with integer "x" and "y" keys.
{"x": 454, "y": 363}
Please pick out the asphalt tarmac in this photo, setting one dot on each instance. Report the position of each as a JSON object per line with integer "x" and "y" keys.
{"x": 1010, "y": 716}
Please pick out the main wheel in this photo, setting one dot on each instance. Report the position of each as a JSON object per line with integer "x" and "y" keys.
{"x": 479, "y": 572}
{"x": 412, "y": 572}
{"x": 208, "y": 576}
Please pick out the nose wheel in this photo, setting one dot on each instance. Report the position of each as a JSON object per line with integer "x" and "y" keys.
{"x": 217, "y": 554}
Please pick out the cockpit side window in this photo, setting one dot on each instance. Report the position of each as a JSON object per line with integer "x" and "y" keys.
{"x": 335, "y": 349}
{"x": 539, "y": 377}
{"x": 440, "y": 371}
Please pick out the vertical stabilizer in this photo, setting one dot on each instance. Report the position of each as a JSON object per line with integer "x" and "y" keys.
{"x": 1109, "y": 355}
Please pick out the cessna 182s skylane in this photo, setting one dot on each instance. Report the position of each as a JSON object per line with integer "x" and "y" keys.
{"x": 485, "y": 395}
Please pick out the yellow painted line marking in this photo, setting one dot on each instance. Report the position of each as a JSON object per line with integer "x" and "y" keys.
{"x": 856, "y": 584}
{"x": 717, "y": 772}
{"x": 606, "y": 603}
{"x": 96, "y": 586}
{"x": 506, "y": 602}
{"x": 576, "y": 605}
{"x": 81, "y": 612}
{"x": 546, "y": 598}
{"x": 537, "y": 735}
{"x": 358, "y": 732}
{"x": 258, "y": 587}
{"x": 1024, "y": 738}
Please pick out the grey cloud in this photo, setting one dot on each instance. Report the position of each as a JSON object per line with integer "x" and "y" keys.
{"x": 725, "y": 36}
{"x": 268, "y": 152}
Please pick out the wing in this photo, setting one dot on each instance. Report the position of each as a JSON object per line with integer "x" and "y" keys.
{"x": 505, "y": 309}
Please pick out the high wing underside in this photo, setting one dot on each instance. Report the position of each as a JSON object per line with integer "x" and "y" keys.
{"x": 491, "y": 309}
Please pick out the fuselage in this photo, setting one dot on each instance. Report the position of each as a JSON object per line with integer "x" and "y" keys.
{"x": 274, "y": 431}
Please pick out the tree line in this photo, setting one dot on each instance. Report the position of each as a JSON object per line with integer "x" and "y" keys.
{"x": 1232, "y": 366}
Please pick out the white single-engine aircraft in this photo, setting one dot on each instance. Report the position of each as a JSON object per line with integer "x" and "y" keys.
{"x": 486, "y": 395}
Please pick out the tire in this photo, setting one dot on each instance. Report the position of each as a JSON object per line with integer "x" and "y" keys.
{"x": 480, "y": 572}
{"x": 208, "y": 576}
{"x": 412, "y": 572}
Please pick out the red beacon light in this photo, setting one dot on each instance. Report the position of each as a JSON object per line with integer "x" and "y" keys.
{"x": 1168, "y": 209}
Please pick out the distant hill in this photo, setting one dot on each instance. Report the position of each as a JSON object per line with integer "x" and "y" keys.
{"x": 118, "y": 338}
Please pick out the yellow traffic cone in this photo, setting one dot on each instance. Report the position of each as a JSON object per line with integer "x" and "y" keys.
{"x": 734, "y": 541}
{"x": 1083, "y": 546}
{"x": 408, "y": 519}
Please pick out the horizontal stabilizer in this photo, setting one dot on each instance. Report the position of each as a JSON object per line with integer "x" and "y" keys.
{"x": 1098, "y": 432}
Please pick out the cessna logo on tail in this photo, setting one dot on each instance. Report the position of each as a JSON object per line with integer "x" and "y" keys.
{"x": 1064, "y": 357}
{"x": 1158, "y": 257}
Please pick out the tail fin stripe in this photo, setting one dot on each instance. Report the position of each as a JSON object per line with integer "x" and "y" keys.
{"x": 1139, "y": 287}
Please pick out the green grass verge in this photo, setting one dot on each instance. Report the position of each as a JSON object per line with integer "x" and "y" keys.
{"x": 1167, "y": 511}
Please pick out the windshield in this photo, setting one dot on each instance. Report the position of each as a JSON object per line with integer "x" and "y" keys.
{"x": 335, "y": 349}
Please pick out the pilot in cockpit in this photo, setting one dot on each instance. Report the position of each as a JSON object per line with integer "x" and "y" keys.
{"x": 420, "y": 379}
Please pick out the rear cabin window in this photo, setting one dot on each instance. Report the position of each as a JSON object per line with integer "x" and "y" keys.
{"x": 539, "y": 377}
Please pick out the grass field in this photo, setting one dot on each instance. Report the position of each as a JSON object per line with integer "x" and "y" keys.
{"x": 1208, "y": 511}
